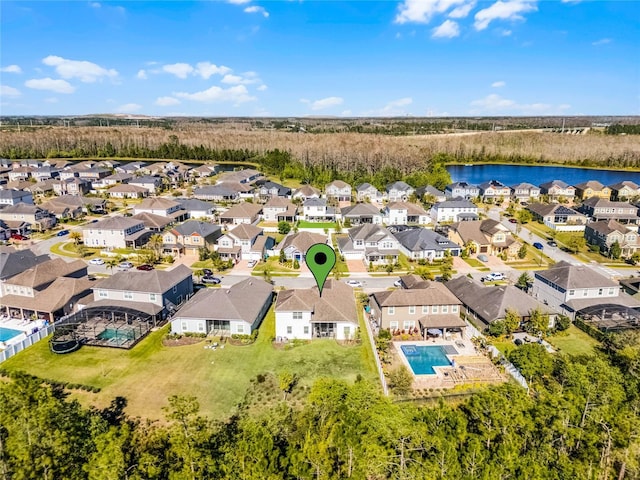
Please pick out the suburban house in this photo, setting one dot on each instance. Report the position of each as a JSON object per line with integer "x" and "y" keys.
{"x": 236, "y": 243}
{"x": 431, "y": 193}
{"x": 203, "y": 171}
{"x": 39, "y": 276}
{"x": 417, "y": 310}
{"x": 115, "y": 232}
{"x": 462, "y": 190}
{"x": 242, "y": 213}
{"x": 605, "y": 209}
{"x": 153, "y": 184}
{"x": 13, "y": 262}
{"x": 295, "y": 245}
{"x": 365, "y": 192}
{"x": 190, "y": 236}
{"x": 399, "y": 191}
{"x": 413, "y": 281}
{"x": 405, "y": 213}
{"x": 361, "y": 213}
{"x": 557, "y": 190}
{"x": 38, "y": 218}
{"x": 304, "y": 314}
{"x": 163, "y": 207}
{"x": 46, "y": 172}
{"x": 592, "y": 188}
{"x": 72, "y": 186}
{"x": 487, "y": 236}
{"x": 525, "y": 192}
{"x": 112, "y": 180}
{"x": 338, "y": 190}
{"x": 605, "y": 233}
{"x": 455, "y": 210}
{"x": 488, "y": 304}
{"x": 494, "y": 189}
{"x": 19, "y": 173}
{"x": 155, "y": 292}
{"x": 305, "y": 192}
{"x": 42, "y": 188}
{"x": 62, "y": 211}
{"x": 13, "y": 197}
{"x": 269, "y": 189}
{"x": 217, "y": 193}
{"x": 238, "y": 309}
{"x": 94, "y": 173}
{"x": 568, "y": 288}
{"x": 85, "y": 204}
{"x": 279, "y": 209}
{"x": 152, "y": 222}
{"x": 130, "y": 167}
{"x": 316, "y": 210}
{"x": 624, "y": 191}
{"x": 369, "y": 243}
{"x": 127, "y": 191}
{"x": 196, "y": 208}
{"x": 557, "y": 217}
{"x": 420, "y": 243}
{"x": 247, "y": 175}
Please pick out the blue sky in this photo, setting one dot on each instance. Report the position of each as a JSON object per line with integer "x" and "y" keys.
{"x": 321, "y": 58}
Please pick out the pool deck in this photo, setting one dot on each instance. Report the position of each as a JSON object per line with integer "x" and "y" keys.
{"x": 470, "y": 365}
{"x": 25, "y": 326}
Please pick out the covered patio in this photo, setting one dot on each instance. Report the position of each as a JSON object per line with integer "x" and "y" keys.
{"x": 444, "y": 323}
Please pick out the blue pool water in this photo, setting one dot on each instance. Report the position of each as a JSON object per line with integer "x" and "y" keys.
{"x": 8, "y": 334}
{"x": 422, "y": 358}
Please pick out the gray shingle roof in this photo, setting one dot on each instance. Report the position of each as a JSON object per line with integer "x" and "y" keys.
{"x": 360, "y": 209}
{"x": 242, "y": 210}
{"x": 113, "y": 223}
{"x": 569, "y": 276}
{"x": 12, "y": 262}
{"x": 418, "y": 239}
{"x": 434, "y": 294}
{"x": 154, "y": 281}
{"x": 203, "y": 229}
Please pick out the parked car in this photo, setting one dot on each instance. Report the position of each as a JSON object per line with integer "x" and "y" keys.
{"x": 209, "y": 279}
{"x": 96, "y": 261}
{"x": 538, "y": 245}
{"x": 493, "y": 277}
{"x": 551, "y": 243}
{"x": 483, "y": 258}
{"x": 17, "y": 236}
{"x": 145, "y": 267}
{"x": 252, "y": 263}
{"x": 207, "y": 272}
{"x": 62, "y": 233}
{"x": 125, "y": 265}
{"x": 354, "y": 283}
{"x": 397, "y": 283}
{"x": 513, "y": 220}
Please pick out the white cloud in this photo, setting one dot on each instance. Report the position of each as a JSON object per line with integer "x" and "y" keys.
{"x": 323, "y": 103}
{"x": 602, "y": 41}
{"x": 167, "y": 101}
{"x": 395, "y": 107}
{"x": 247, "y": 78}
{"x": 495, "y": 104}
{"x": 141, "y": 75}
{"x": 180, "y": 70}
{"x": 128, "y": 108}
{"x": 236, "y": 94}
{"x": 256, "y": 9}
{"x": 87, "y": 72}
{"x": 51, "y": 100}
{"x": 207, "y": 69}
{"x": 59, "y": 86}
{"x": 503, "y": 10}
{"x": 262, "y": 88}
{"x": 7, "y": 91}
{"x": 11, "y": 69}
{"x": 448, "y": 29}
{"x": 462, "y": 11}
{"x": 498, "y": 84}
{"x": 421, "y": 11}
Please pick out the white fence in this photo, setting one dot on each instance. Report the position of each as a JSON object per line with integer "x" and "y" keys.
{"x": 383, "y": 379}
{"x": 509, "y": 367}
{"x": 11, "y": 350}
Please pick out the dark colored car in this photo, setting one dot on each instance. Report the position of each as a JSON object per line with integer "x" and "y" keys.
{"x": 551, "y": 243}
{"x": 62, "y": 233}
{"x": 208, "y": 272}
{"x": 538, "y": 245}
{"x": 17, "y": 236}
{"x": 513, "y": 220}
{"x": 208, "y": 279}
{"x": 146, "y": 267}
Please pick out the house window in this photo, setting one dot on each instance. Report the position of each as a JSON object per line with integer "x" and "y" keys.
{"x": 391, "y": 310}
{"x": 306, "y": 330}
{"x": 297, "y": 315}
{"x": 611, "y": 291}
{"x": 201, "y": 327}
{"x": 175, "y": 289}
{"x": 408, "y": 324}
{"x": 454, "y": 308}
{"x": 152, "y": 297}
{"x": 585, "y": 293}
{"x": 434, "y": 309}
{"x": 412, "y": 310}
{"x": 445, "y": 309}
{"x": 184, "y": 326}
{"x": 128, "y": 295}
{"x": 103, "y": 294}
{"x": 347, "y": 332}
{"x": 600, "y": 290}
{"x": 240, "y": 328}
{"x": 289, "y": 329}
{"x": 572, "y": 292}
{"x": 425, "y": 309}
{"x": 393, "y": 325}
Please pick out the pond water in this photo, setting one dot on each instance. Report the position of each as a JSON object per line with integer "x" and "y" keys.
{"x": 513, "y": 174}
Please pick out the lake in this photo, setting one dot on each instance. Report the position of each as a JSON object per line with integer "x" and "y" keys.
{"x": 513, "y": 174}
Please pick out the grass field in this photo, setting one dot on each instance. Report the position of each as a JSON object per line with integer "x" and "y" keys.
{"x": 305, "y": 224}
{"x": 574, "y": 341}
{"x": 150, "y": 372}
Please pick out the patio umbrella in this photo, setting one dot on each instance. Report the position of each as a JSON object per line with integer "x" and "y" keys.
{"x": 434, "y": 331}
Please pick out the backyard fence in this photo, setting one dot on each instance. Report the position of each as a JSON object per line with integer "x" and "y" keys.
{"x": 372, "y": 342}
{"x": 508, "y": 366}
{"x": 11, "y": 350}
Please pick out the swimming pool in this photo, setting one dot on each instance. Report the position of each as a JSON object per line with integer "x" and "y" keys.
{"x": 8, "y": 334}
{"x": 422, "y": 358}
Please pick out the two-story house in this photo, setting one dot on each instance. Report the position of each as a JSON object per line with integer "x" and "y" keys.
{"x": 153, "y": 184}
{"x": 624, "y": 191}
{"x": 316, "y": 210}
{"x": 269, "y": 189}
{"x": 557, "y": 191}
{"x": 236, "y": 244}
{"x": 112, "y": 180}
{"x": 463, "y": 190}
{"x": 557, "y": 217}
{"x": 405, "y": 213}
{"x": 365, "y": 192}
{"x": 161, "y": 206}
{"x": 525, "y": 192}
{"x": 420, "y": 243}
{"x": 13, "y": 197}
{"x": 241, "y": 213}
{"x": 338, "y": 190}
{"x": 38, "y": 219}
{"x": 93, "y": 174}
{"x": 115, "y": 232}
{"x": 486, "y": 236}
{"x": 430, "y": 194}
{"x": 494, "y": 189}
{"x": 361, "y": 213}
{"x": 72, "y": 186}
{"x": 247, "y": 176}
{"x": 417, "y": 310}
{"x": 605, "y": 233}
{"x": 217, "y": 193}
{"x": 455, "y": 210}
{"x": 605, "y": 209}
{"x": 399, "y": 191}
{"x": 370, "y": 243}
{"x": 191, "y": 236}
{"x": 238, "y": 309}
{"x": 591, "y": 189}
{"x": 279, "y": 209}
{"x": 304, "y": 314}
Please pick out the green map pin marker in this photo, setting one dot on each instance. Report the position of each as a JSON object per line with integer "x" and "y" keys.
{"x": 320, "y": 259}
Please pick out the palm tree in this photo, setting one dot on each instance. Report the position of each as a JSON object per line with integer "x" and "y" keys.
{"x": 111, "y": 264}
{"x": 75, "y": 236}
{"x": 155, "y": 243}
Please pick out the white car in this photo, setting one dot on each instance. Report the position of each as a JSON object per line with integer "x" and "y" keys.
{"x": 494, "y": 277}
{"x": 125, "y": 265}
{"x": 354, "y": 283}
{"x": 252, "y": 263}
{"x": 96, "y": 261}
{"x": 397, "y": 283}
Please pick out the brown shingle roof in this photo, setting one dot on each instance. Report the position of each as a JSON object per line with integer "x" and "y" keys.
{"x": 435, "y": 294}
{"x": 337, "y": 303}
{"x": 47, "y": 272}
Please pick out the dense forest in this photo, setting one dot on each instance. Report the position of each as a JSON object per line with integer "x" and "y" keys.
{"x": 579, "y": 421}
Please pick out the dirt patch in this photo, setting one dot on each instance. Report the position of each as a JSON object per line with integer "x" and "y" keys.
{"x": 178, "y": 342}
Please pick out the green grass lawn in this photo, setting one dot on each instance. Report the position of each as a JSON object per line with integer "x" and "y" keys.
{"x": 574, "y": 341}
{"x": 305, "y": 224}
{"x": 276, "y": 267}
{"x": 150, "y": 372}
{"x": 475, "y": 263}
